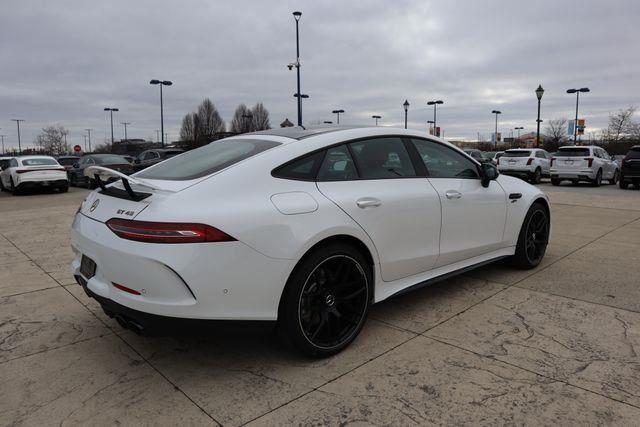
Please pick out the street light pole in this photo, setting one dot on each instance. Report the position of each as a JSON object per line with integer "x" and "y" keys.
{"x": 376, "y": 117}
{"x": 111, "y": 110}
{"x": 337, "y": 112}
{"x": 575, "y": 123}
{"x": 435, "y": 121}
{"x": 89, "y": 137}
{"x": 125, "y": 129}
{"x": 296, "y": 16}
{"x": 495, "y": 134}
{"x": 406, "y": 109}
{"x": 539, "y": 93}
{"x": 161, "y": 83}
{"x": 19, "y": 144}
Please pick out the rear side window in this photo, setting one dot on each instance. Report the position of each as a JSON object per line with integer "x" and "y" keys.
{"x": 572, "y": 152}
{"x": 303, "y": 169}
{"x": 337, "y": 165}
{"x": 207, "y": 160}
{"x": 42, "y": 161}
{"x": 517, "y": 153}
{"x": 382, "y": 158}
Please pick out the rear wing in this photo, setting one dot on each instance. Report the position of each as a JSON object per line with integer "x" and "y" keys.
{"x": 98, "y": 173}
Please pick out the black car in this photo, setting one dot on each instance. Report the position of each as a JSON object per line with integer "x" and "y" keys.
{"x": 111, "y": 161}
{"x": 151, "y": 157}
{"x": 630, "y": 168}
{"x": 68, "y": 162}
{"x": 476, "y": 154}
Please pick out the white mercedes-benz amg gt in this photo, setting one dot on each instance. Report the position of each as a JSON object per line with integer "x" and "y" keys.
{"x": 306, "y": 227}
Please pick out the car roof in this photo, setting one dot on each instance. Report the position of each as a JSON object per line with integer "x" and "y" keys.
{"x": 301, "y": 132}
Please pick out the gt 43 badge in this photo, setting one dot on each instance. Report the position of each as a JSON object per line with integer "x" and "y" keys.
{"x": 125, "y": 212}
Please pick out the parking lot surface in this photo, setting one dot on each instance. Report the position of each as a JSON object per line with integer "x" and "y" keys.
{"x": 556, "y": 345}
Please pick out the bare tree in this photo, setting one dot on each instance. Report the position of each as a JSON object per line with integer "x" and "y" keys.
{"x": 555, "y": 134}
{"x": 209, "y": 121}
{"x": 188, "y": 128}
{"x": 242, "y": 121}
{"x": 260, "y": 120}
{"x": 104, "y": 148}
{"x": 621, "y": 125}
{"x": 52, "y": 140}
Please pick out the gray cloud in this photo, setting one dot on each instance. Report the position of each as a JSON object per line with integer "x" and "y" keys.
{"x": 63, "y": 61}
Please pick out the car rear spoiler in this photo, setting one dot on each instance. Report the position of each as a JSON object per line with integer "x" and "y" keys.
{"x": 96, "y": 172}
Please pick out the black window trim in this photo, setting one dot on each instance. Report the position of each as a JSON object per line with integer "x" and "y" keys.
{"x": 474, "y": 161}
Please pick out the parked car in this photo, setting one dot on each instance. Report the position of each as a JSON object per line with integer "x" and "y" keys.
{"x": 475, "y": 154}
{"x": 130, "y": 159}
{"x": 29, "y": 172}
{"x": 306, "y": 227}
{"x": 583, "y": 163}
{"x": 152, "y": 157}
{"x": 492, "y": 156}
{"x": 530, "y": 164}
{"x": 4, "y": 162}
{"x": 67, "y": 162}
{"x": 630, "y": 168}
{"x": 112, "y": 161}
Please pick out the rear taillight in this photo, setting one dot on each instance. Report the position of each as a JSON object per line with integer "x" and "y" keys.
{"x": 39, "y": 170}
{"x": 552, "y": 159}
{"x": 166, "y": 232}
{"x": 529, "y": 161}
{"x": 589, "y": 160}
{"x": 125, "y": 289}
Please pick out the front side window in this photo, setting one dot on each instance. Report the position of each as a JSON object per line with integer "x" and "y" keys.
{"x": 382, "y": 158}
{"x": 337, "y": 165}
{"x": 444, "y": 162}
{"x": 206, "y": 160}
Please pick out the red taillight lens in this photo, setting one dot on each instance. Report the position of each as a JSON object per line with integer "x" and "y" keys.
{"x": 125, "y": 289}
{"x": 39, "y": 170}
{"x": 166, "y": 232}
{"x": 552, "y": 160}
{"x": 590, "y": 160}
{"x": 529, "y": 161}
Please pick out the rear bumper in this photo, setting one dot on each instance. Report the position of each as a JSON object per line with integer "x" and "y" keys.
{"x": 224, "y": 281}
{"x": 59, "y": 183}
{"x": 520, "y": 173}
{"x": 577, "y": 174}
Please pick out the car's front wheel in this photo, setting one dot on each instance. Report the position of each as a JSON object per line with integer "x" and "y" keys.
{"x": 326, "y": 300}
{"x": 614, "y": 178}
{"x": 533, "y": 238}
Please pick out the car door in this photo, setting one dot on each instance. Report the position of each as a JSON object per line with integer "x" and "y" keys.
{"x": 374, "y": 181}
{"x": 473, "y": 217}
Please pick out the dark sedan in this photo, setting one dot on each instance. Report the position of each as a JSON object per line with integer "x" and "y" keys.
{"x": 111, "y": 161}
{"x": 151, "y": 157}
{"x": 630, "y": 168}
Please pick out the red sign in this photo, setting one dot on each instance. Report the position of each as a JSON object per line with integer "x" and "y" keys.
{"x": 77, "y": 148}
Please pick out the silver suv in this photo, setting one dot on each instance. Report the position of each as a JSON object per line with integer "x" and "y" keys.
{"x": 583, "y": 163}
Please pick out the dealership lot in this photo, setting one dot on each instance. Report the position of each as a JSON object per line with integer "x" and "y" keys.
{"x": 558, "y": 344}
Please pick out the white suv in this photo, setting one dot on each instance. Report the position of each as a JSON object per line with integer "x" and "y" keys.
{"x": 526, "y": 163}
{"x": 583, "y": 163}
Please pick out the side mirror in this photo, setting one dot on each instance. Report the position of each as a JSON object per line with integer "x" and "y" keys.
{"x": 489, "y": 173}
{"x": 76, "y": 166}
{"x": 136, "y": 161}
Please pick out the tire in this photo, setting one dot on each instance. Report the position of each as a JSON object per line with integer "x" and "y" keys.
{"x": 555, "y": 181}
{"x": 14, "y": 190}
{"x": 623, "y": 184}
{"x": 614, "y": 179}
{"x": 597, "y": 181}
{"x": 328, "y": 285}
{"x": 63, "y": 189}
{"x": 533, "y": 238}
{"x": 537, "y": 176}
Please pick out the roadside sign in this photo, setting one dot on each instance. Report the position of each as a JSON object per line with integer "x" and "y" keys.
{"x": 77, "y": 148}
{"x": 581, "y": 127}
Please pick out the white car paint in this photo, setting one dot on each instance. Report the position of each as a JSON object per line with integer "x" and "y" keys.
{"x": 20, "y": 173}
{"x": 524, "y": 167}
{"x": 582, "y": 163}
{"x": 415, "y": 229}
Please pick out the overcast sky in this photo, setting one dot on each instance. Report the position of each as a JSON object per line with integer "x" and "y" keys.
{"x": 62, "y": 62}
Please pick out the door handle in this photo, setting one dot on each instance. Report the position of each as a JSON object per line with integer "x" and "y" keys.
{"x": 368, "y": 202}
{"x": 453, "y": 194}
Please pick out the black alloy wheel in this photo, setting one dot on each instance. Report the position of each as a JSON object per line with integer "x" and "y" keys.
{"x": 537, "y": 236}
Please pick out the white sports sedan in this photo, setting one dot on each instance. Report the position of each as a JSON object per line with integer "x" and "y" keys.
{"x": 304, "y": 227}
{"x": 28, "y": 172}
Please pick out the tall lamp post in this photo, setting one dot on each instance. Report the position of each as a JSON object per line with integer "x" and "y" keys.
{"x": 296, "y": 16}
{"x": 19, "y": 144}
{"x": 435, "y": 121}
{"x": 125, "y": 129}
{"x": 337, "y": 112}
{"x": 495, "y": 135}
{"x": 539, "y": 93}
{"x": 375, "y": 116}
{"x": 406, "y": 110}
{"x": 111, "y": 110}
{"x": 89, "y": 137}
{"x": 161, "y": 83}
{"x": 575, "y": 124}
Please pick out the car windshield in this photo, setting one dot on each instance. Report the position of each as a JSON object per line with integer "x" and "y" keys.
{"x": 109, "y": 159}
{"x": 517, "y": 153}
{"x": 40, "y": 161}
{"x": 206, "y": 160}
{"x": 572, "y": 152}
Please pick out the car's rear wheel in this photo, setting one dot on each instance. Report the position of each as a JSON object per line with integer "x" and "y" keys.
{"x": 537, "y": 176}
{"x": 12, "y": 186}
{"x": 614, "y": 178}
{"x": 326, "y": 300}
{"x": 533, "y": 238}
{"x": 597, "y": 181}
{"x": 623, "y": 184}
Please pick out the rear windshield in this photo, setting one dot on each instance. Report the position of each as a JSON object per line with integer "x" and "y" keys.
{"x": 68, "y": 161}
{"x": 207, "y": 160}
{"x": 517, "y": 153}
{"x": 109, "y": 160}
{"x": 42, "y": 161}
{"x": 634, "y": 153}
{"x": 572, "y": 152}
